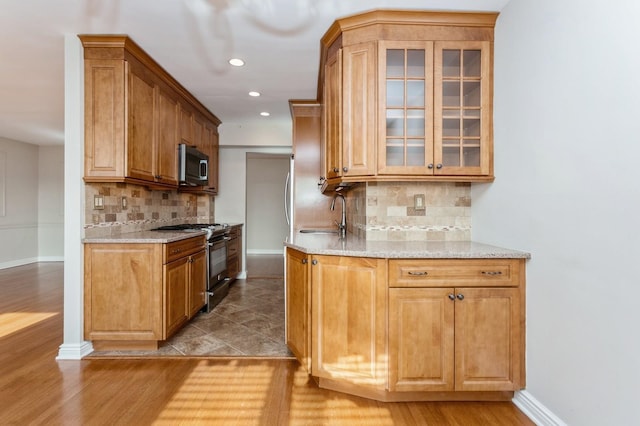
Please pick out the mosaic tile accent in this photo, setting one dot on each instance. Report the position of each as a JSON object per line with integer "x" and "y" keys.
{"x": 389, "y": 212}
{"x": 145, "y": 209}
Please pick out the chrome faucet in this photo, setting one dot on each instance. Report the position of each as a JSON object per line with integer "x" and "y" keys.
{"x": 342, "y": 226}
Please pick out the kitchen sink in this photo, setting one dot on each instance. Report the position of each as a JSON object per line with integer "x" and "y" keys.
{"x": 319, "y": 231}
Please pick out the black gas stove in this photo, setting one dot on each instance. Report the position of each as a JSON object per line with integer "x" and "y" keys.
{"x": 215, "y": 231}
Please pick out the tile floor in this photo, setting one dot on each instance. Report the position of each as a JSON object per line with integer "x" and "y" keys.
{"x": 248, "y": 322}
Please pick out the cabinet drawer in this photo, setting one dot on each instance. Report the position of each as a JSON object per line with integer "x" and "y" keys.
{"x": 232, "y": 247}
{"x": 235, "y": 232}
{"x": 455, "y": 272}
{"x": 178, "y": 249}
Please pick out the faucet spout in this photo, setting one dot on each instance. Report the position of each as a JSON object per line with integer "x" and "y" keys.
{"x": 342, "y": 226}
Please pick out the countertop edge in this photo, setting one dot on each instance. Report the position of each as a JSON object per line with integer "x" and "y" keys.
{"x": 406, "y": 249}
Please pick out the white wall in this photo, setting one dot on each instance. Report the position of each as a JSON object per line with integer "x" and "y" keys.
{"x": 266, "y": 226}
{"x": 231, "y": 200}
{"x": 51, "y": 203}
{"x": 567, "y": 157}
{"x": 19, "y": 205}
{"x": 31, "y": 203}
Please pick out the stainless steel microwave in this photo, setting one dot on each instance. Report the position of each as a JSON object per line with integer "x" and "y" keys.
{"x": 193, "y": 166}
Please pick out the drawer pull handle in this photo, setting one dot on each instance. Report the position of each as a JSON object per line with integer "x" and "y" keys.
{"x": 418, "y": 273}
{"x": 491, "y": 273}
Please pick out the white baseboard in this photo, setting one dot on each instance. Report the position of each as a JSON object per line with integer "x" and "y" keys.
{"x": 74, "y": 351}
{"x": 51, "y": 259}
{"x": 27, "y": 261}
{"x": 18, "y": 262}
{"x": 264, "y": 251}
{"x": 537, "y": 412}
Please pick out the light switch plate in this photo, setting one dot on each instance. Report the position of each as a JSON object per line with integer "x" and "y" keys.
{"x": 418, "y": 202}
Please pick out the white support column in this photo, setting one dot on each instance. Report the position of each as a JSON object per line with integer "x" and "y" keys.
{"x": 73, "y": 345}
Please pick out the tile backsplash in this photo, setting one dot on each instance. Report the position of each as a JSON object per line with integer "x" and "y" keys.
{"x": 143, "y": 209}
{"x": 385, "y": 211}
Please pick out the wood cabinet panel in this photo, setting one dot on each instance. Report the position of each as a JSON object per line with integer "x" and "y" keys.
{"x": 167, "y": 138}
{"x": 123, "y": 292}
{"x": 176, "y": 281}
{"x": 333, "y": 117}
{"x": 104, "y": 118}
{"x": 358, "y": 110}
{"x": 488, "y": 339}
{"x": 458, "y": 272}
{"x": 234, "y": 252}
{"x": 421, "y": 343}
{"x": 197, "y": 282}
{"x": 349, "y": 310}
{"x": 298, "y": 309}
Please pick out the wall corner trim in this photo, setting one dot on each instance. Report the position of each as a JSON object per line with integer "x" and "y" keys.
{"x": 537, "y": 412}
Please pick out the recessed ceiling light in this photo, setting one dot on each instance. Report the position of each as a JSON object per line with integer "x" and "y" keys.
{"x": 254, "y": 94}
{"x": 236, "y": 62}
{"x": 265, "y": 114}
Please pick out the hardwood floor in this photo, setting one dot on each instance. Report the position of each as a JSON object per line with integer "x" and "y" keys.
{"x": 35, "y": 389}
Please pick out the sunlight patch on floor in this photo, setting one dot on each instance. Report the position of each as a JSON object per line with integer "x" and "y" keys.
{"x": 218, "y": 394}
{"x": 16, "y": 321}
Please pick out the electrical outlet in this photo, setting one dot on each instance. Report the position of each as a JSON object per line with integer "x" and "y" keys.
{"x": 98, "y": 202}
{"x": 418, "y": 202}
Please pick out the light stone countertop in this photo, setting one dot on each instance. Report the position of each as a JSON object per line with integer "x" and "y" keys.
{"x": 142, "y": 237}
{"x": 331, "y": 244}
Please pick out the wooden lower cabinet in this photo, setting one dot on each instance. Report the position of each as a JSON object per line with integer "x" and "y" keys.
{"x": 136, "y": 295}
{"x": 349, "y": 316}
{"x": 234, "y": 252}
{"x": 389, "y": 329}
{"x": 298, "y": 312}
{"x": 454, "y": 339}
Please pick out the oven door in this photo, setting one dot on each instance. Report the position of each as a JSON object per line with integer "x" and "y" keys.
{"x": 217, "y": 262}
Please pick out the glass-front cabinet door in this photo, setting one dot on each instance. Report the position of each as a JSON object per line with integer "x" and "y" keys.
{"x": 435, "y": 108}
{"x": 462, "y": 108}
{"x": 406, "y": 107}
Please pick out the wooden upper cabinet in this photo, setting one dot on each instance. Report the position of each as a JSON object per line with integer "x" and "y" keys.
{"x": 332, "y": 117}
{"x": 358, "y": 109}
{"x": 211, "y": 133}
{"x": 141, "y": 120}
{"x": 167, "y": 137}
{"x": 408, "y": 97}
{"x": 135, "y": 115}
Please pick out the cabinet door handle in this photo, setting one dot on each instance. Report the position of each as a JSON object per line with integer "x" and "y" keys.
{"x": 460, "y": 296}
{"x": 491, "y": 272}
{"x": 345, "y": 169}
{"x": 304, "y": 261}
{"x": 430, "y": 166}
{"x": 439, "y": 166}
{"x": 336, "y": 170}
{"x": 314, "y": 262}
{"x": 451, "y": 296}
{"x": 418, "y": 273}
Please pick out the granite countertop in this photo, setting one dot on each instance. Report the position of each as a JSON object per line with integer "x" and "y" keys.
{"x": 331, "y": 244}
{"x": 158, "y": 237}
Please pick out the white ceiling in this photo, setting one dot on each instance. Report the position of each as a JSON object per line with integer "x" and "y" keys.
{"x": 191, "y": 39}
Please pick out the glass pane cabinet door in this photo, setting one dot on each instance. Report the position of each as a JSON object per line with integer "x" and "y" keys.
{"x": 406, "y": 93}
{"x": 462, "y": 105}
